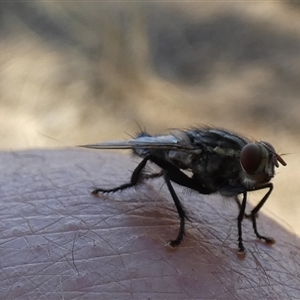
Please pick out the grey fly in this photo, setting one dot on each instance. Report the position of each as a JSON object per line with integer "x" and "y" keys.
{"x": 218, "y": 161}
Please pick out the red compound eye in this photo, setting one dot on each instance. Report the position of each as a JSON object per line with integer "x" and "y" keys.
{"x": 250, "y": 158}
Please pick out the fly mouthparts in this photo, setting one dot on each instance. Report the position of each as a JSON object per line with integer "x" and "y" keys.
{"x": 280, "y": 159}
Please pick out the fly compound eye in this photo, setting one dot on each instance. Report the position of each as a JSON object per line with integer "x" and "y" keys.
{"x": 251, "y": 158}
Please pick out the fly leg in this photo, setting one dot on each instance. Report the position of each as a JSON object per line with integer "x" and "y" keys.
{"x": 179, "y": 177}
{"x": 174, "y": 174}
{"x": 180, "y": 211}
{"x": 133, "y": 181}
{"x": 239, "y": 223}
{"x": 171, "y": 173}
{"x": 256, "y": 209}
{"x": 239, "y": 204}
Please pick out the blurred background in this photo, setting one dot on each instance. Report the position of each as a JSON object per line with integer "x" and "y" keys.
{"x": 85, "y": 72}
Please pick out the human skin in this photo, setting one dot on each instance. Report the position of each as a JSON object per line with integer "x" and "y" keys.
{"x": 57, "y": 241}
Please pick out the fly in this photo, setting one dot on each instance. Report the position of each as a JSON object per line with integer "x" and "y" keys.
{"x": 217, "y": 160}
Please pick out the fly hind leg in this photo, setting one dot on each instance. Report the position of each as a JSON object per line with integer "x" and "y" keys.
{"x": 135, "y": 179}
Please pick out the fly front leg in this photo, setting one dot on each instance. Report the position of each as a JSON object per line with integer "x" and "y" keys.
{"x": 256, "y": 209}
{"x": 239, "y": 223}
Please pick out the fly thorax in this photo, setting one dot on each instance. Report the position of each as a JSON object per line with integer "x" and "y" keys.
{"x": 181, "y": 159}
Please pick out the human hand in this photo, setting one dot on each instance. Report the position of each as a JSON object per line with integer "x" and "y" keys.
{"x": 60, "y": 242}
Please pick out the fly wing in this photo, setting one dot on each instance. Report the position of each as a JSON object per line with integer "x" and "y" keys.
{"x": 164, "y": 142}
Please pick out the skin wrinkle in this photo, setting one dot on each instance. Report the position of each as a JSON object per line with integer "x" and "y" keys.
{"x": 126, "y": 254}
{"x": 259, "y": 265}
{"x": 114, "y": 251}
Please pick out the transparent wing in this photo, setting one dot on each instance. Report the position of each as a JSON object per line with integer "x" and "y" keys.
{"x": 165, "y": 142}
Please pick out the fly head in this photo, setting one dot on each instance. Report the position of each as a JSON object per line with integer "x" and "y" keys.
{"x": 258, "y": 161}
